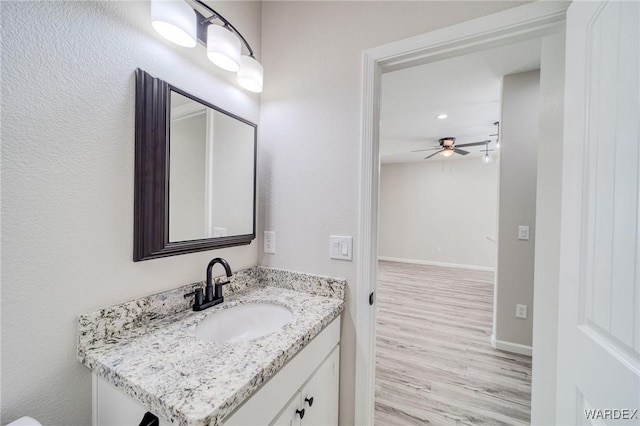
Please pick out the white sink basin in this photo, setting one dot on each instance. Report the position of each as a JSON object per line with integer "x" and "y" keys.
{"x": 243, "y": 322}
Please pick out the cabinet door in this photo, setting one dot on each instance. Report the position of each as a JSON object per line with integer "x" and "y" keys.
{"x": 288, "y": 416}
{"x": 267, "y": 402}
{"x": 320, "y": 394}
{"x": 111, "y": 407}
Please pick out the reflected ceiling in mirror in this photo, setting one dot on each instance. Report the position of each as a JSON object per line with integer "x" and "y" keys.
{"x": 195, "y": 173}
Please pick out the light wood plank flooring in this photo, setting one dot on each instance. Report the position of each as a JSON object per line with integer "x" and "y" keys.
{"x": 434, "y": 360}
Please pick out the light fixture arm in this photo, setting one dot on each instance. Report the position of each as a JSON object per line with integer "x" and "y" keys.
{"x": 203, "y": 21}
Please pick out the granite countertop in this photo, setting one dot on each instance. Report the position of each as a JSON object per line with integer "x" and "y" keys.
{"x": 147, "y": 348}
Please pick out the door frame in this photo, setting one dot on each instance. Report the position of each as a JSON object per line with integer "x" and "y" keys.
{"x": 512, "y": 25}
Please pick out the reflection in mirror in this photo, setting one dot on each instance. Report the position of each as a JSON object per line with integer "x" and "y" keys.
{"x": 211, "y": 172}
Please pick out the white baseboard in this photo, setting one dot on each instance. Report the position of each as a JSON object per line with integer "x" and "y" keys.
{"x": 516, "y": 348}
{"x": 445, "y": 264}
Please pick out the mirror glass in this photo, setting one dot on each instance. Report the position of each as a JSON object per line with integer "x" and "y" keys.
{"x": 211, "y": 172}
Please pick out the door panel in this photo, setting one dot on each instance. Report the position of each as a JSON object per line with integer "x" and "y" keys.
{"x": 611, "y": 181}
{"x": 599, "y": 327}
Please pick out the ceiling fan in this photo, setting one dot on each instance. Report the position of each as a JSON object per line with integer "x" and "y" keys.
{"x": 448, "y": 147}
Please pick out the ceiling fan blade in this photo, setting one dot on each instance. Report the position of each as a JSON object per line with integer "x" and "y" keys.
{"x": 473, "y": 143}
{"x": 426, "y": 149}
{"x": 435, "y": 153}
{"x": 460, "y": 151}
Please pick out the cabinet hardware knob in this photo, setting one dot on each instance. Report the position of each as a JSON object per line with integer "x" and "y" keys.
{"x": 309, "y": 400}
{"x": 301, "y": 413}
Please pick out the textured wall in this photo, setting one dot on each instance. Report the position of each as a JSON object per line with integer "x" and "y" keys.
{"x": 439, "y": 211}
{"x": 311, "y": 125}
{"x": 517, "y": 206}
{"x": 68, "y": 93}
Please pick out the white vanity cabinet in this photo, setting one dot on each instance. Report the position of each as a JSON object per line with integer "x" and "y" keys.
{"x": 316, "y": 404}
{"x": 312, "y": 373}
{"x": 111, "y": 407}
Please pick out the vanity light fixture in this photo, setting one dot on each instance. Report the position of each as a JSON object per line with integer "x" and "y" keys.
{"x": 224, "y": 42}
{"x": 223, "y": 47}
{"x": 175, "y": 21}
{"x": 250, "y": 74}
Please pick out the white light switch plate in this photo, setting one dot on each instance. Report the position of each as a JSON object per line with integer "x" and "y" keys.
{"x": 523, "y": 232}
{"x": 269, "y": 241}
{"x": 521, "y": 311}
{"x": 340, "y": 247}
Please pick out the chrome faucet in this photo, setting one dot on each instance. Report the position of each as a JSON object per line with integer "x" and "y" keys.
{"x": 213, "y": 291}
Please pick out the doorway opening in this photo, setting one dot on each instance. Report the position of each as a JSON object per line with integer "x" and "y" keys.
{"x": 438, "y": 237}
{"x": 511, "y": 26}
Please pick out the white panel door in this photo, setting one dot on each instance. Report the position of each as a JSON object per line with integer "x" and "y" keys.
{"x": 599, "y": 310}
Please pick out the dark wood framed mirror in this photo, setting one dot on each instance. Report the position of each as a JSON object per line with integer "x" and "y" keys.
{"x": 195, "y": 173}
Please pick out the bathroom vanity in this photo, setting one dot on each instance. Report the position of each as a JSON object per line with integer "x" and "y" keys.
{"x": 146, "y": 356}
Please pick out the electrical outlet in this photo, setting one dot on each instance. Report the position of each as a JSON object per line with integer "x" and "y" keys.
{"x": 523, "y": 232}
{"x": 521, "y": 311}
{"x": 269, "y": 241}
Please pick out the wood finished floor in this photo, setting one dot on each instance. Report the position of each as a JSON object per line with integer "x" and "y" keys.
{"x": 434, "y": 360}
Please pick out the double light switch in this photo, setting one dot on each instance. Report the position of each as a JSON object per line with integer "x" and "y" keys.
{"x": 341, "y": 248}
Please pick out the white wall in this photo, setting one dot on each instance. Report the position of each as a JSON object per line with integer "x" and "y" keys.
{"x": 439, "y": 211}
{"x": 517, "y": 206}
{"x": 547, "y": 251}
{"x": 68, "y": 92}
{"x": 233, "y": 172}
{"x": 310, "y": 130}
{"x": 187, "y": 177}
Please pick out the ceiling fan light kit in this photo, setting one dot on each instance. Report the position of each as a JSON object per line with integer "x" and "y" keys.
{"x": 449, "y": 141}
{"x": 448, "y": 147}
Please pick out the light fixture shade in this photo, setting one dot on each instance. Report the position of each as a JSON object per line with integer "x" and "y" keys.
{"x": 175, "y": 21}
{"x": 223, "y": 48}
{"x": 250, "y": 75}
{"x": 447, "y": 153}
{"x": 486, "y": 158}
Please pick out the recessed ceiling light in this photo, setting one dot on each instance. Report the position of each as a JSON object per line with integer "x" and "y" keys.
{"x": 441, "y": 116}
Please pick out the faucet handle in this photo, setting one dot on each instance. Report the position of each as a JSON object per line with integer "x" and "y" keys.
{"x": 220, "y": 282}
{"x": 198, "y": 296}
